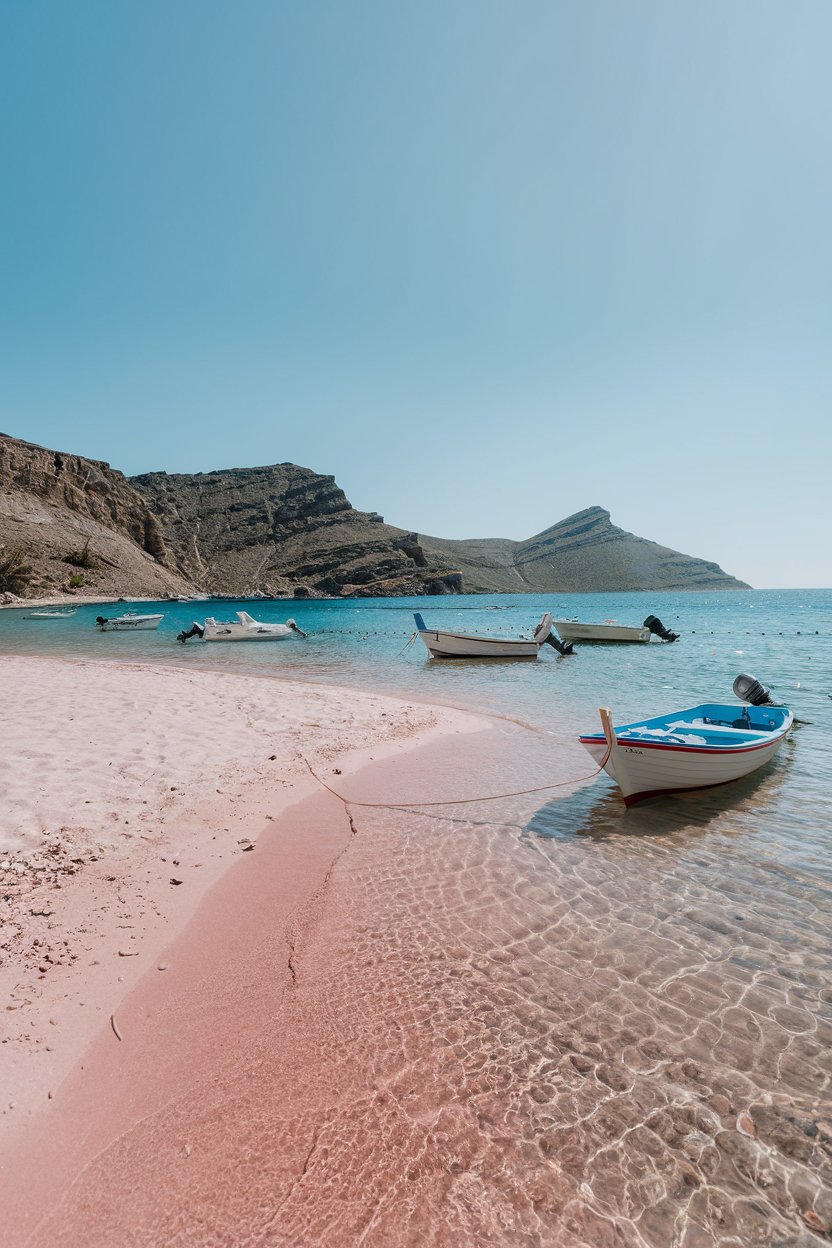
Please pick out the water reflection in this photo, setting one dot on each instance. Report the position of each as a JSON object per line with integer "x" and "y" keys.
{"x": 597, "y": 811}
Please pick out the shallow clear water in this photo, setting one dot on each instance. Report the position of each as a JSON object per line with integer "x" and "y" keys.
{"x": 784, "y": 637}
{"x": 596, "y": 1025}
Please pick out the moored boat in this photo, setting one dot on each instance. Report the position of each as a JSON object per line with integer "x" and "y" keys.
{"x": 445, "y": 645}
{"x": 243, "y": 628}
{"x": 130, "y": 622}
{"x": 700, "y": 747}
{"x": 52, "y": 615}
{"x": 611, "y": 630}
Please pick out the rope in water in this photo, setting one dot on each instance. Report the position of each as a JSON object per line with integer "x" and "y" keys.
{"x": 460, "y": 801}
{"x": 407, "y": 647}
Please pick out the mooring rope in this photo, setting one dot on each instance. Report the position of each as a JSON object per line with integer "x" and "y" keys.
{"x": 407, "y": 647}
{"x": 460, "y": 801}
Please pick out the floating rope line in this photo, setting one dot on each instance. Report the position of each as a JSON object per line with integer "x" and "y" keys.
{"x": 460, "y": 801}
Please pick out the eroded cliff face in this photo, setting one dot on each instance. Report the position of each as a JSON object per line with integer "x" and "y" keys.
{"x": 285, "y": 529}
{"x": 588, "y": 541}
{"x": 585, "y": 552}
{"x": 53, "y": 504}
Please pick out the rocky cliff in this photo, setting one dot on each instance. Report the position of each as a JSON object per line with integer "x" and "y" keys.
{"x": 584, "y": 552}
{"x": 67, "y": 518}
{"x": 286, "y": 530}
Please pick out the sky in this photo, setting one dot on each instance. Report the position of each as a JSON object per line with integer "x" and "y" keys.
{"x": 487, "y": 263}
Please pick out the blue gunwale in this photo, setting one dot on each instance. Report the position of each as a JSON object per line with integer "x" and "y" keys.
{"x": 674, "y": 730}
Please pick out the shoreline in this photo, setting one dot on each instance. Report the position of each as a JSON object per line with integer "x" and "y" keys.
{"x": 244, "y": 997}
{"x": 88, "y": 899}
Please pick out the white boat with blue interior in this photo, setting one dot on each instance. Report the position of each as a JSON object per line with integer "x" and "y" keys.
{"x": 702, "y": 746}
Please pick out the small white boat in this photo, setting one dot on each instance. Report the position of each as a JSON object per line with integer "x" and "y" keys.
{"x": 697, "y": 748}
{"x": 610, "y": 630}
{"x": 243, "y": 628}
{"x": 130, "y": 622}
{"x": 51, "y": 615}
{"x": 444, "y": 645}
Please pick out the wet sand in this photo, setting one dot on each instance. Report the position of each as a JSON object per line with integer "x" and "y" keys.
{"x": 501, "y": 1024}
{"x": 126, "y": 791}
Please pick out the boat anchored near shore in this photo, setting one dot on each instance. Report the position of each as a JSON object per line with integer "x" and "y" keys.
{"x": 700, "y": 747}
{"x": 611, "y": 630}
{"x": 445, "y": 645}
{"x": 243, "y": 628}
{"x": 130, "y": 622}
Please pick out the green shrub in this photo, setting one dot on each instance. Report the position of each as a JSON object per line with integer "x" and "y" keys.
{"x": 83, "y": 558}
{"x": 15, "y": 573}
{"x": 76, "y": 580}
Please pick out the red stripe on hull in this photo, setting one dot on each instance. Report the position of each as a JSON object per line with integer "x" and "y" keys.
{"x": 634, "y": 743}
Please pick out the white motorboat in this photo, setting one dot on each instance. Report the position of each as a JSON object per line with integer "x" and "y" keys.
{"x": 130, "y": 622}
{"x": 243, "y": 628}
{"x": 703, "y": 746}
{"x": 610, "y": 630}
{"x": 444, "y": 645}
{"x": 52, "y": 615}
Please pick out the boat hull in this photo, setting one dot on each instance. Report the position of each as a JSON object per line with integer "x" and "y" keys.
{"x": 245, "y": 628}
{"x": 445, "y": 645}
{"x": 651, "y": 768}
{"x": 240, "y": 632}
{"x": 459, "y": 646}
{"x": 126, "y": 624}
{"x": 571, "y": 630}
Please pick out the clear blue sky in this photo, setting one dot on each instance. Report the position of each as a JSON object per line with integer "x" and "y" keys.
{"x": 487, "y": 263}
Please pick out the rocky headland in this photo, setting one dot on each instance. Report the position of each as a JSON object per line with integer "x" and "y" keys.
{"x": 584, "y": 552}
{"x": 70, "y": 524}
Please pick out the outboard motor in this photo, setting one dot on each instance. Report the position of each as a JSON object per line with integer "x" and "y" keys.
{"x": 748, "y": 689}
{"x": 658, "y": 629}
{"x": 101, "y": 620}
{"x": 196, "y": 630}
{"x": 562, "y": 647}
{"x": 291, "y": 624}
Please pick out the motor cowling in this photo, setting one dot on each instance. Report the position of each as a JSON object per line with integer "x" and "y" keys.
{"x": 196, "y": 630}
{"x": 658, "y": 629}
{"x": 562, "y": 647}
{"x": 748, "y": 689}
{"x": 291, "y": 624}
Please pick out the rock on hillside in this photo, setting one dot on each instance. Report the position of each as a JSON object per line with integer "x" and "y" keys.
{"x": 52, "y": 504}
{"x": 585, "y": 552}
{"x": 285, "y": 529}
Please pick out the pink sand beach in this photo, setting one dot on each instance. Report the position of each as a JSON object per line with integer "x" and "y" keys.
{"x": 241, "y": 1012}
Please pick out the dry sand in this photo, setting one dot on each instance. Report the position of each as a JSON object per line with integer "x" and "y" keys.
{"x": 125, "y": 792}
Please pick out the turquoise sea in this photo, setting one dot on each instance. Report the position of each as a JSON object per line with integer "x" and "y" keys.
{"x": 783, "y": 636}
{"x": 630, "y": 1010}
